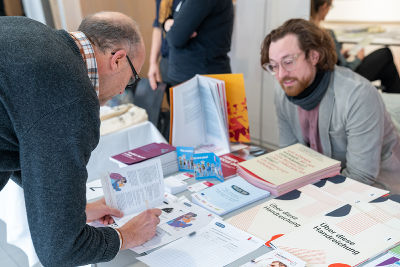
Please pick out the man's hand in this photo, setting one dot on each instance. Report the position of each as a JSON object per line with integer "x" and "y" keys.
{"x": 154, "y": 75}
{"x": 98, "y": 210}
{"x": 140, "y": 228}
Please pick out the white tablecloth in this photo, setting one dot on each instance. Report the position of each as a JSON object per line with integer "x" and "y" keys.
{"x": 14, "y": 213}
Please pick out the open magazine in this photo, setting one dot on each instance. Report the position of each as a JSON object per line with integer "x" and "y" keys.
{"x": 199, "y": 114}
{"x": 134, "y": 188}
{"x": 140, "y": 186}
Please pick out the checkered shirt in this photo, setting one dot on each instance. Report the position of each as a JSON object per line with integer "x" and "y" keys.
{"x": 87, "y": 52}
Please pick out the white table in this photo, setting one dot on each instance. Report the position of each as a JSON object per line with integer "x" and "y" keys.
{"x": 14, "y": 213}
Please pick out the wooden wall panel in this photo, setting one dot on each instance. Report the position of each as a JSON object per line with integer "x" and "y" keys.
{"x": 13, "y": 8}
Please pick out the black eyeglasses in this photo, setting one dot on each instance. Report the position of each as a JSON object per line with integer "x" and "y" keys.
{"x": 133, "y": 81}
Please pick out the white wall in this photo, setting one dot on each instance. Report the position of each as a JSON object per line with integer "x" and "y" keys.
{"x": 34, "y": 10}
{"x": 365, "y": 10}
{"x": 254, "y": 19}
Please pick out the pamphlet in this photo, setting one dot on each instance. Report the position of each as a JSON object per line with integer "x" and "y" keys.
{"x": 207, "y": 165}
{"x": 276, "y": 257}
{"x": 228, "y": 196}
{"x": 216, "y": 244}
{"x": 179, "y": 218}
{"x": 134, "y": 188}
{"x": 185, "y": 158}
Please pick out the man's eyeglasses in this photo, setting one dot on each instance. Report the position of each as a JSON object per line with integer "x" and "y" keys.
{"x": 132, "y": 82}
{"x": 288, "y": 63}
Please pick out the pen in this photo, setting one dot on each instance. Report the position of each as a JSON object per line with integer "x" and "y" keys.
{"x": 147, "y": 204}
{"x": 192, "y": 233}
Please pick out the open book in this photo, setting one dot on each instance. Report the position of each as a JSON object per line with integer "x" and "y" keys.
{"x": 199, "y": 114}
{"x": 209, "y": 112}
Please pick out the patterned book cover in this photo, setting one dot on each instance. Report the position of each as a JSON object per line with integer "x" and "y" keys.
{"x": 347, "y": 235}
{"x": 239, "y": 130}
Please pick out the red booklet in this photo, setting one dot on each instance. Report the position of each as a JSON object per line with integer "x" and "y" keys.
{"x": 229, "y": 164}
{"x": 143, "y": 153}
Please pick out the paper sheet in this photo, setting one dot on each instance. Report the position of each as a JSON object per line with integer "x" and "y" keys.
{"x": 217, "y": 244}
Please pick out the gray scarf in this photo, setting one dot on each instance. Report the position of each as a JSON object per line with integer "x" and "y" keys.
{"x": 313, "y": 94}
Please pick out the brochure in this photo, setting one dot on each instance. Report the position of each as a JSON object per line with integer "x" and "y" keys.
{"x": 228, "y": 196}
{"x": 207, "y": 165}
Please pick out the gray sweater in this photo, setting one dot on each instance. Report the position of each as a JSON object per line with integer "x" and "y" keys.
{"x": 49, "y": 124}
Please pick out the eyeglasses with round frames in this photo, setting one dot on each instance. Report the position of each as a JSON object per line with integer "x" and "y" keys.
{"x": 288, "y": 63}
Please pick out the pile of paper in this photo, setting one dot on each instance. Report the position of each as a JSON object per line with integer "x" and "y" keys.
{"x": 165, "y": 152}
{"x": 288, "y": 168}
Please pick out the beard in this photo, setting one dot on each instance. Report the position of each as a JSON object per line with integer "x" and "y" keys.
{"x": 298, "y": 86}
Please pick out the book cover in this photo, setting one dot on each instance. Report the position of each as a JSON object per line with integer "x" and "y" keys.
{"x": 143, "y": 153}
{"x": 288, "y": 212}
{"x": 350, "y": 190}
{"x": 239, "y": 130}
{"x": 185, "y": 158}
{"x": 228, "y": 196}
{"x": 207, "y": 165}
{"x": 346, "y": 235}
{"x": 229, "y": 164}
{"x": 285, "y": 213}
{"x": 288, "y": 164}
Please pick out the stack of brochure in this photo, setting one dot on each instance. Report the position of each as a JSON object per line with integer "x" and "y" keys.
{"x": 228, "y": 196}
{"x": 288, "y": 168}
{"x": 165, "y": 152}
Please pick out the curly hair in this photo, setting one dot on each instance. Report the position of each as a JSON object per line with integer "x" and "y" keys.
{"x": 310, "y": 37}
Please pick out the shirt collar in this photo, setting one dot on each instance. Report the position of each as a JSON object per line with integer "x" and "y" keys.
{"x": 87, "y": 52}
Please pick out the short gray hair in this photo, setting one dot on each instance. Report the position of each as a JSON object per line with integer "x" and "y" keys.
{"x": 107, "y": 33}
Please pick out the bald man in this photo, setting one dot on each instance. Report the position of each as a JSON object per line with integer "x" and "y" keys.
{"x": 51, "y": 85}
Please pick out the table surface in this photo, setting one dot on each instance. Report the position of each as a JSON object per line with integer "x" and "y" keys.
{"x": 356, "y": 32}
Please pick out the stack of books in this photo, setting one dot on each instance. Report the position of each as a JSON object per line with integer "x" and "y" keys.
{"x": 288, "y": 168}
{"x": 165, "y": 152}
{"x": 229, "y": 165}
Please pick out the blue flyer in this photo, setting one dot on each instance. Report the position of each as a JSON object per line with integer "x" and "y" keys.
{"x": 185, "y": 158}
{"x": 207, "y": 165}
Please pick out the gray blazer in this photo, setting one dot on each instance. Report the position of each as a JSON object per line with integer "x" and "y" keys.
{"x": 354, "y": 128}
